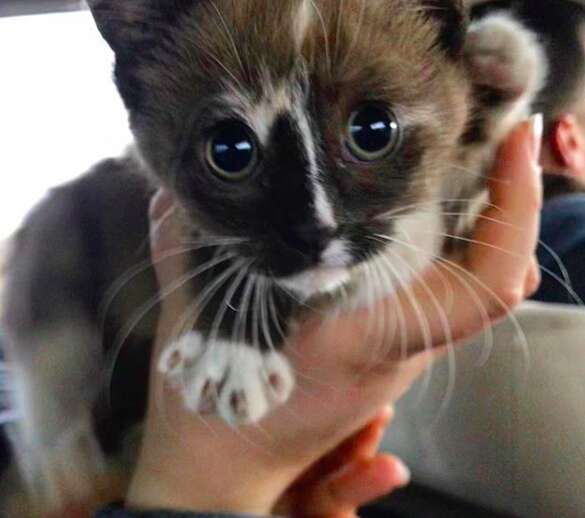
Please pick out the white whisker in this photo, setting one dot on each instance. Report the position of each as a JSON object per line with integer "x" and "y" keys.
{"x": 116, "y": 288}
{"x": 448, "y": 341}
{"x": 226, "y": 303}
{"x": 325, "y": 37}
{"x": 230, "y": 38}
{"x": 149, "y": 305}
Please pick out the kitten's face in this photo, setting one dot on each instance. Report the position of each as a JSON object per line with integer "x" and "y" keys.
{"x": 309, "y": 128}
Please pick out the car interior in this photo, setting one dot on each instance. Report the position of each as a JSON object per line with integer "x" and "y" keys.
{"x": 495, "y": 429}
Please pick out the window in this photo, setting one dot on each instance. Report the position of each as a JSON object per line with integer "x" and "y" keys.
{"x": 60, "y": 112}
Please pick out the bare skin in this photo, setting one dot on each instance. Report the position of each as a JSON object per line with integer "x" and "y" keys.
{"x": 190, "y": 464}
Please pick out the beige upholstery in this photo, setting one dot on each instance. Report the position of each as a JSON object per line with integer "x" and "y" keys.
{"x": 511, "y": 434}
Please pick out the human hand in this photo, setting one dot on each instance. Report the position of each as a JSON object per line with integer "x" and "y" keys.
{"x": 188, "y": 463}
{"x": 351, "y": 476}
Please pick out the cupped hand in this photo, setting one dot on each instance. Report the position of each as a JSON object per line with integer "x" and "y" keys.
{"x": 346, "y": 369}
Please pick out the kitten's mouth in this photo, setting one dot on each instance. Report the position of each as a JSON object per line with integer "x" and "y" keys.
{"x": 320, "y": 280}
{"x": 330, "y": 271}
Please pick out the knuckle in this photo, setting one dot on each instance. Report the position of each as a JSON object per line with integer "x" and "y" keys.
{"x": 160, "y": 203}
{"x": 154, "y": 209}
{"x": 533, "y": 283}
{"x": 506, "y": 299}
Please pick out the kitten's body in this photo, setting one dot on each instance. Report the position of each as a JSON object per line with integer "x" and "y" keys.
{"x": 293, "y": 71}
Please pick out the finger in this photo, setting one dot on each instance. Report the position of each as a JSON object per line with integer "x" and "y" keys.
{"x": 516, "y": 192}
{"x": 500, "y": 260}
{"x": 161, "y": 202}
{"x": 168, "y": 258}
{"x": 366, "y": 442}
{"x": 533, "y": 279}
{"x": 358, "y": 484}
{"x": 161, "y": 222}
{"x": 361, "y": 446}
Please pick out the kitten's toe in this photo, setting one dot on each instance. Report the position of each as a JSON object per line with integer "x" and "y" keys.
{"x": 257, "y": 383}
{"x": 505, "y": 56}
{"x": 278, "y": 377}
{"x": 242, "y": 397}
{"x": 204, "y": 377}
{"x": 177, "y": 355}
{"x": 239, "y": 383}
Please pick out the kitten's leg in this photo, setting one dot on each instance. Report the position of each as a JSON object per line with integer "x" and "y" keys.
{"x": 53, "y": 439}
{"x": 54, "y": 354}
{"x": 508, "y": 67}
{"x": 239, "y": 382}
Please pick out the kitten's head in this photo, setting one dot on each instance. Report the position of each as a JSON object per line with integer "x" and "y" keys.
{"x": 312, "y": 128}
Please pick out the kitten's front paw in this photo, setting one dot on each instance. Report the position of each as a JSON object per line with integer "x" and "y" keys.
{"x": 505, "y": 56}
{"x": 238, "y": 382}
{"x": 177, "y": 356}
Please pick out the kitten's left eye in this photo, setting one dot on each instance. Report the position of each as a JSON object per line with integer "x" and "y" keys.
{"x": 232, "y": 151}
{"x": 373, "y": 132}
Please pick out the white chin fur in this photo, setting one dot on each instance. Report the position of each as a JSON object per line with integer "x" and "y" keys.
{"x": 315, "y": 282}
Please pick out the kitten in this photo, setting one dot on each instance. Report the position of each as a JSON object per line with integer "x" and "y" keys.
{"x": 305, "y": 141}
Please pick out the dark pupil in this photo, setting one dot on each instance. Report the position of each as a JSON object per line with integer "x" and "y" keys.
{"x": 232, "y": 149}
{"x": 372, "y": 129}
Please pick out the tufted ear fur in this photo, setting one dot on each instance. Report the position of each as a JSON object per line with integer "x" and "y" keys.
{"x": 453, "y": 17}
{"x": 134, "y": 25}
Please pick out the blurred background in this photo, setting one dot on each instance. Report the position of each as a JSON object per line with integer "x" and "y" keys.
{"x": 59, "y": 110}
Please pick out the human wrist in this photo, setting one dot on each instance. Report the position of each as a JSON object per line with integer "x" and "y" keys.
{"x": 151, "y": 492}
{"x": 196, "y": 474}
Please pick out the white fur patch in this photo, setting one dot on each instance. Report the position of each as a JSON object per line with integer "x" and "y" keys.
{"x": 337, "y": 254}
{"x": 417, "y": 241}
{"x": 262, "y": 115}
{"x": 323, "y": 208}
{"x": 239, "y": 383}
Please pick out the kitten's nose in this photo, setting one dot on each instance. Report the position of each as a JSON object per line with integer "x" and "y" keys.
{"x": 310, "y": 239}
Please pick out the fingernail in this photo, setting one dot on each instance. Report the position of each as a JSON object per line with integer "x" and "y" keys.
{"x": 404, "y": 474}
{"x": 537, "y": 129}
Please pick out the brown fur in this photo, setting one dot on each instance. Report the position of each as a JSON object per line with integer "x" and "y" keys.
{"x": 353, "y": 50}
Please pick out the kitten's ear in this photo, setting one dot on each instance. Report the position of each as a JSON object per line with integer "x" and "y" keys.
{"x": 129, "y": 25}
{"x": 453, "y": 17}
{"x": 121, "y": 22}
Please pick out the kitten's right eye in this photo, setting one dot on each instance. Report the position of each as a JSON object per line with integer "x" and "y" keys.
{"x": 232, "y": 151}
{"x": 373, "y": 132}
